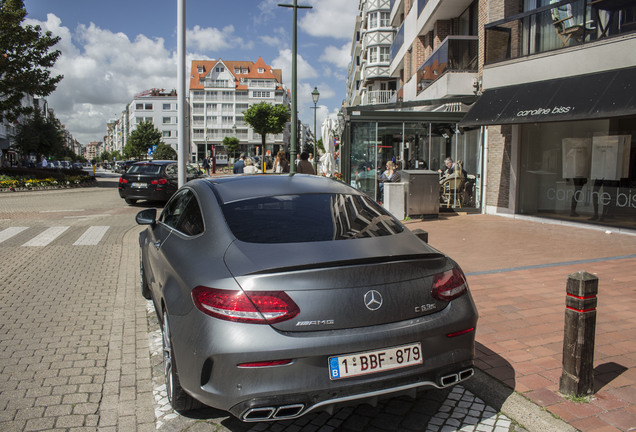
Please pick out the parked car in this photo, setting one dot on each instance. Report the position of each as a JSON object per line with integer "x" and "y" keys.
{"x": 152, "y": 180}
{"x": 280, "y": 295}
{"x": 123, "y": 166}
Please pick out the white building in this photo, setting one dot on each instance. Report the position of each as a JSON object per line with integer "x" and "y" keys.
{"x": 220, "y": 92}
{"x": 156, "y": 106}
{"x": 369, "y": 79}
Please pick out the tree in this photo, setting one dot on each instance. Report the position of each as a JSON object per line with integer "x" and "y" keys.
{"x": 141, "y": 139}
{"x": 266, "y": 119}
{"x": 39, "y": 135}
{"x": 232, "y": 144}
{"x": 25, "y": 62}
{"x": 165, "y": 152}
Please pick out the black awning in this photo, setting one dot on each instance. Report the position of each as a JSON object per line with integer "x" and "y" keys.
{"x": 599, "y": 95}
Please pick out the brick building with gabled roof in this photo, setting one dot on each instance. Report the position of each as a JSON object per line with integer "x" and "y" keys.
{"x": 220, "y": 91}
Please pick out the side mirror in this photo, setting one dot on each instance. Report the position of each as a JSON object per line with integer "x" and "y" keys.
{"x": 146, "y": 217}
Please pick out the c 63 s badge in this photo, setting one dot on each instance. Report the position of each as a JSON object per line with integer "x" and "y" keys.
{"x": 315, "y": 323}
{"x": 425, "y": 308}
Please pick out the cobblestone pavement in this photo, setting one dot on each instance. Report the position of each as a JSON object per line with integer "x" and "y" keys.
{"x": 79, "y": 347}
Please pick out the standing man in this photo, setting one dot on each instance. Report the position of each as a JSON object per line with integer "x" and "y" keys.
{"x": 239, "y": 165}
{"x": 44, "y": 163}
{"x": 304, "y": 166}
{"x": 206, "y": 165}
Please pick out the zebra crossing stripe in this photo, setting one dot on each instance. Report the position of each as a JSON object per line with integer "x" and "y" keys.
{"x": 7, "y": 233}
{"x": 91, "y": 236}
{"x": 47, "y": 236}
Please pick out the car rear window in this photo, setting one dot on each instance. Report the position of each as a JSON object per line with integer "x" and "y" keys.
{"x": 145, "y": 169}
{"x": 308, "y": 218}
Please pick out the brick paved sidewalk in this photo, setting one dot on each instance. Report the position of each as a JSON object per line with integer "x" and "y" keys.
{"x": 517, "y": 272}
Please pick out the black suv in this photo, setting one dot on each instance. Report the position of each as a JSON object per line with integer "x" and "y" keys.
{"x": 152, "y": 180}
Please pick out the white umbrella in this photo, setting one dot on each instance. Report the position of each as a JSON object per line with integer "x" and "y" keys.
{"x": 327, "y": 162}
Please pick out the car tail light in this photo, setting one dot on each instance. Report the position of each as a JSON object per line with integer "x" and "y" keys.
{"x": 261, "y": 307}
{"x": 449, "y": 285}
{"x": 161, "y": 181}
{"x": 122, "y": 180}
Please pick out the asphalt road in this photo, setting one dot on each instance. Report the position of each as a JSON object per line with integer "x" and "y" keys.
{"x": 80, "y": 349}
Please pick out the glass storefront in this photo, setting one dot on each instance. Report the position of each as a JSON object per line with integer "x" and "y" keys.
{"x": 583, "y": 171}
{"x": 413, "y": 145}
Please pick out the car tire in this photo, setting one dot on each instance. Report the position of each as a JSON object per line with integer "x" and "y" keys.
{"x": 130, "y": 201}
{"x": 178, "y": 398}
{"x": 145, "y": 290}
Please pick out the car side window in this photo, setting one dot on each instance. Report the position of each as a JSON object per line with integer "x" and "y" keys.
{"x": 191, "y": 222}
{"x": 174, "y": 208}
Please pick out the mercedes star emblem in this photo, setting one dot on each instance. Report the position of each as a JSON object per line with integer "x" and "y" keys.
{"x": 373, "y": 300}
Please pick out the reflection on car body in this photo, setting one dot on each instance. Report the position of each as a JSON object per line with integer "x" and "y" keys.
{"x": 283, "y": 294}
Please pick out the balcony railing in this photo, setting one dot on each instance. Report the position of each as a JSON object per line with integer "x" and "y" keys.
{"x": 456, "y": 53}
{"x": 559, "y": 25}
{"x": 398, "y": 41}
{"x": 378, "y": 97}
{"x": 217, "y": 83}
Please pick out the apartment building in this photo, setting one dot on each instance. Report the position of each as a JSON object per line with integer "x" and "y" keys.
{"x": 558, "y": 109}
{"x": 433, "y": 61}
{"x": 220, "y": 92}
{"x": 369, "y": 80}
{"x": 156, "y": 106}
{"x": 534, "y": 97}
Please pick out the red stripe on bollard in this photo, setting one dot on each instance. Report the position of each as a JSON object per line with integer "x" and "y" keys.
{"x": 580, "y": 310}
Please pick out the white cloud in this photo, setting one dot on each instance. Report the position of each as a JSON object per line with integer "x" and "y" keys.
{"x": 304, "y": 70}
{"x": 337, "y": 56}
{"x": 329, "y": 18}
{"x": 102, "y": 72}
{"x": 213, "y": 39}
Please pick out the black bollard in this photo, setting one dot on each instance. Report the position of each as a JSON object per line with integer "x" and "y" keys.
{"x": 577, "y": 378}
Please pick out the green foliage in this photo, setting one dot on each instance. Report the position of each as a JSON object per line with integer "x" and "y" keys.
{"x": 25, "y": 62}
{"x": 40, "y": 135}
{"x": 266, "y": 118}
{"x": 232, "y": 144}
{"x": 320, "y": 145}
{"x": 141, "y": 139}
{"x": 165, "y": 152}
{"x": 105, "y": 156}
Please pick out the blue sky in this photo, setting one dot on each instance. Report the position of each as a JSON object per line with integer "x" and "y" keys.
{"x": 114, "y": 49}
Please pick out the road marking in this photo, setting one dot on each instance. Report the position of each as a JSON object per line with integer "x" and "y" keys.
{"x": 91, "y": 236}
{"x": 7, "y": 233}
{"x": 47, "y": 236}
{"x": 61, "y": 211}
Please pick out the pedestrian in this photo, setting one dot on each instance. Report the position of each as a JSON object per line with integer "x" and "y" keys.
{"x": 44, "y": 163}
{"x": 249, "y": 167}
{"x": 304, "y": 167}
{"x": 239, "y": 165}
{"x": 281, "y": 164}
{"x": 206, "y": 165}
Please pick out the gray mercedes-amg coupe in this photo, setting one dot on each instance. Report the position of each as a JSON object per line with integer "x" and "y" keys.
{"x": 284, "y": 294}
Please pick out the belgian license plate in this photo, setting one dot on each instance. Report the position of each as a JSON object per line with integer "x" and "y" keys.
{"x": 370, "y": 362}
{"x": 140, "y": 185}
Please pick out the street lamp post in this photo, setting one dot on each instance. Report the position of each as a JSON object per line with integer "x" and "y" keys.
{"x": 315, "y": 95}
{"x": 294, "y": 126}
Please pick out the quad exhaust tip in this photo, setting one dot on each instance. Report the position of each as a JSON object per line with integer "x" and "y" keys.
{"x": 273, "y": 413}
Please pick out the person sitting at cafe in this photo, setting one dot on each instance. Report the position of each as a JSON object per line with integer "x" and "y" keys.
{"x": 390, "y": 175}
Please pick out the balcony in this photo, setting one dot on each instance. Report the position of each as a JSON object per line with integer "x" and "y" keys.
{"x": 556, "y": 26}
{"x": 378, "y": 97}
{"x": 455, "y": 54}
{"x": 217, "y": 83}
{"x": 398, "y": 41}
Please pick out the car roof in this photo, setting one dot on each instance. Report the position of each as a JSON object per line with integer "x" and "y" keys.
{"x": 237, "y": 188}
{"x": 155, "y": 162}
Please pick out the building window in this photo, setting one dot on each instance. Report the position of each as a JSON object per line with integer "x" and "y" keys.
{"x": 167, "y": 107}
{"x": 384, "y": 19}
{"x": 200, "y": 69}
{"x": 261, "y": 94}
{"x": 237, "y": 70}
{"x": 220, "y": 69}
{"x": 261, "y": 70}
{"x": 148, "y": 107}
{"x": 373, "y": 20}
{"x": 167, "y": 120}
{"x": 166, "y": 134}
{"x": 385, "y": 54}
{"x": 373, "y": 55}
